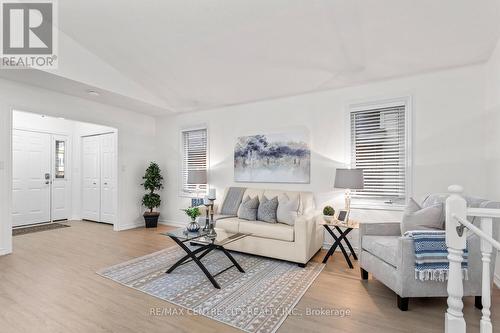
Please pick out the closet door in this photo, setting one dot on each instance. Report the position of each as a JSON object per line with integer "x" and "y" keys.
{"x": 108, "y": 176}
{"x": 91, "y": 178}
{"x": 30, "y": 177}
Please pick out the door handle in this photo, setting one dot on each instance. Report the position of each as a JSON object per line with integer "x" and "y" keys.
{"x": 94, "y": 183}
{"x": 105, "y": 183}
{"x": 47, "y": 182}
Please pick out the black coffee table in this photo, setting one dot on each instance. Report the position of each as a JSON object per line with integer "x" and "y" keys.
{"x": 207, "y": 245}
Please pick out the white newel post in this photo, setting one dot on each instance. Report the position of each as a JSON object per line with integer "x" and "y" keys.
{"x": 455, "y": 206}
{"x": 486, "y": 249}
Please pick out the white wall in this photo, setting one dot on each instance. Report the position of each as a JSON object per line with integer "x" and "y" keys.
{"x": 74, "y": 130}
{"x": 136, "y": 145}
{"x": 5, "y": 183}
{"x": 448, "y": 118}
{"x": 492, "y": 132}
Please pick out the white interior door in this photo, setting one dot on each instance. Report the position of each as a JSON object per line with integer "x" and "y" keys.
{"x": 61, "y": 182}
{"x": 108, "y": 177}
{"x": 91, "y": 178}
{"x": 31, "y": 177}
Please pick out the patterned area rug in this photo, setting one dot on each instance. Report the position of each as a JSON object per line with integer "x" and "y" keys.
{"x": 256, "y": 301}
{"x": 38, "y": 228}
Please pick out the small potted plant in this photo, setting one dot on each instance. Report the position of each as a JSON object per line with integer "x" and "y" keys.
{"x": 328, "y": 213}
{"x": 193, "y": 213}
{"x": 153, "y": 181}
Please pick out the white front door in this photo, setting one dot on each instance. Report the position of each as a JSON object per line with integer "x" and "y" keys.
{"x": 91, "y": 178}
{"x": 61, "y": 184}
{"x": 31, "y": 177}
{"x": 108, "y": 177}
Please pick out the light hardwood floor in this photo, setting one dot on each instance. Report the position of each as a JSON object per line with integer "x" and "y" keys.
{"x": 49, "y": 284}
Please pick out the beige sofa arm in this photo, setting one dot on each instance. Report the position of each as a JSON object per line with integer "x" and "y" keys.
{"x": 309, "y": 236}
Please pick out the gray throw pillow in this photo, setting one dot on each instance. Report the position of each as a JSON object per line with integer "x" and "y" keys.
{"x": 267, "y": 210}
{"x": 418, "y": 218}
{"x": 248, "y": 208}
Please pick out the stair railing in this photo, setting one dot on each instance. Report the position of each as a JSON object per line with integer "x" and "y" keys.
{"x": 457, "y": 227}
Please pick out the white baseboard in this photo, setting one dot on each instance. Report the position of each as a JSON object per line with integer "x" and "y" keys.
{"x": 4, "y": 252}
{"x": 171, "y": 223}
{"x": 127, "y": 226}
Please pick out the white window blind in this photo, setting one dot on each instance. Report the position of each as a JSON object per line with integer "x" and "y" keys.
{"x": 378, "y": 143}
{"x": 194, "y": 146}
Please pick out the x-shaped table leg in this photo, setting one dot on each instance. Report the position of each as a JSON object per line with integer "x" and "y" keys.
{"x": 338, "y": 242}
{"x": 192, "y": 255}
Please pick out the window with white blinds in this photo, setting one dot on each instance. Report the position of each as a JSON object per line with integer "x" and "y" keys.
{"x": 379, "y": 147}
{"x": 195, "y": 157}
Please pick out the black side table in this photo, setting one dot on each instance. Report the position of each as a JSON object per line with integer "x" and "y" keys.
{"x": 343, "y": 229}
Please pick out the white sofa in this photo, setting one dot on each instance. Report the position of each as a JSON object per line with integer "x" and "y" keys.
{"x": 297, "y": 243}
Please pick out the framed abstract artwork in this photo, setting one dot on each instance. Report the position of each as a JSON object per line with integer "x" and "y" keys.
{"x": 273, "y": 158}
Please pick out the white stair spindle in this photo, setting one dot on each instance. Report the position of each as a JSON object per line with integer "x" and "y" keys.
{"x": 455, "y": 205}
{"x": 486, "y": 249}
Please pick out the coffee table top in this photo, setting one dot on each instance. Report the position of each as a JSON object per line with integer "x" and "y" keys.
{"x": 184, "y": 235}
{"x": 200, "y": 236}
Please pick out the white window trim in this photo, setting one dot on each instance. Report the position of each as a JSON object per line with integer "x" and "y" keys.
{"x": 405, "y": 100}
{"x": 181, "y": 192}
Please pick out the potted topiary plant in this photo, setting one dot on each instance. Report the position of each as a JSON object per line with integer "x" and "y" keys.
{"x": 153, "y": 181}
{"x": 328, "y": 213}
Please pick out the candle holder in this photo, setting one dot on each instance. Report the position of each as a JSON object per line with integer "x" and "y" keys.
{"x": 211, "y": 225}
{"x": 207, "y": 220}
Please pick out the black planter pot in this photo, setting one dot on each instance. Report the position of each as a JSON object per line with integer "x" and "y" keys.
{"x": 151, "y": 220}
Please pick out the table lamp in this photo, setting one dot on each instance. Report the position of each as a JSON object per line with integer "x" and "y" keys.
{"x": 349, "y": 179}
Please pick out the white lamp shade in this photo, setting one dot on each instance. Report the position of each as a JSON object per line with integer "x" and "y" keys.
{"x": 349, "y": 179}
{"x": 197, "y": 177}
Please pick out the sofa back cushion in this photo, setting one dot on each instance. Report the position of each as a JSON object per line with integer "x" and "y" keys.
{"x": 306, "y": 199}
{"x": 472, "y": 202}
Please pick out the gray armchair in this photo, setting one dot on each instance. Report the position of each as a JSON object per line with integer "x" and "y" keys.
{"x": 390, "y": 258}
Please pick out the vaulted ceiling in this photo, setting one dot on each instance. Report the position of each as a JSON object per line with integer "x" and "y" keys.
{"x": 191, "y": 55}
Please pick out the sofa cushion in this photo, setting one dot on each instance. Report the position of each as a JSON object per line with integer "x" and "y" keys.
{"x": 418, "y": 218}
{"x": 287, "y": 209}
{"x": 267, "y": 210}
{"x": 253, "y": 192}
{"x": 220, "y": 217}
{"x": 230, "y": 224}
{"x": 306, "y": 199}
{"x": 277, "y": 231}
{"x": 383, "y": 247}
{"x": 248, "y": 208}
